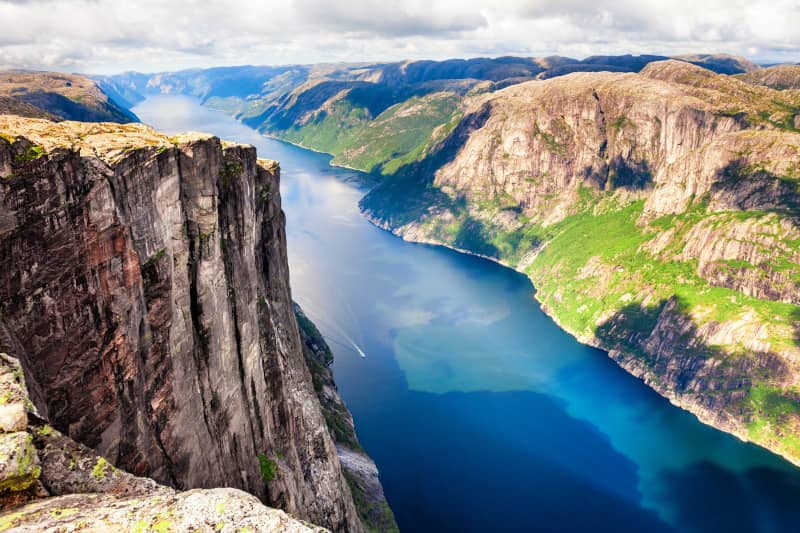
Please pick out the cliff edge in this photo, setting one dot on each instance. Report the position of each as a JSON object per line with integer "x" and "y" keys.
{"x": 144, "y": 288}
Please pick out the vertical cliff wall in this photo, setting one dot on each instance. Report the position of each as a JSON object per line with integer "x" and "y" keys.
{"x": 144, "y": 286}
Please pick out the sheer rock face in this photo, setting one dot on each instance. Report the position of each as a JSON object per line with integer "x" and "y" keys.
{"x": 49, "y": 482}
{"x": 649, "y": 136}
{"x": 145, "y": 287}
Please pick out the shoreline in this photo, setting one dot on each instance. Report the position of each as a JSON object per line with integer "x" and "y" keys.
{"x": 619, "y": 358}
{"x": 626, "y": 362}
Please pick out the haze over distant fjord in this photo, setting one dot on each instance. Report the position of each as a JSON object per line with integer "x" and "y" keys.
{"x": 100, "y": 36}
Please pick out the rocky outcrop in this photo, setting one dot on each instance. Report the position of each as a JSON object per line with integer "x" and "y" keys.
{"x": 657, "y": 214}
{"x": 48, "y": 482}
{"x": 359, "y": 469}
{"x": 144, "y": 286}
{"x": 224, "y": 510}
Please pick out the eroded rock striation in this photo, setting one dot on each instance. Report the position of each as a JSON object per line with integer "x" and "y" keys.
{"x": 49, "y": 482}
{"x": 144, "y": 287}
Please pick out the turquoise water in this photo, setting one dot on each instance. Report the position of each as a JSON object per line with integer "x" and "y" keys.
{"x": 481, "y": 414}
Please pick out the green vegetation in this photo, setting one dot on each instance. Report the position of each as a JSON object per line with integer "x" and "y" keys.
{"x": 153, "y": 259}
{"x": 376, "y": 516}
{"x": 230, "y": 170}
{"x": 398, "y": 136}
{"x": 775, "y": 417}
{"x": 550, "y": 141}
{"x": 620, "y": 122}
{"x": 100, "y": 468}
{"x": 162, "y": 525}
{"x": 33, "y": 153}
{"x": 269, "y": 468}
{"x": 597, "y": 275}
{"x": 10, "y": 519}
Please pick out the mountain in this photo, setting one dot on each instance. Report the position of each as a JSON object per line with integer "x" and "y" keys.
{"x": 375, "y": 117}
{"x": 58, "y": 96}
{"x": 720, "y": 63}
{"x": 778, "y": 77}
{"x": 145, "y": 291}
{"x": 658, "y": 215}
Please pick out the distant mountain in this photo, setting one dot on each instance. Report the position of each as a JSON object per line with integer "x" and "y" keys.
{"x": 376, "y": 117}
{"x": 779, "y": 77}
{"x": 720, "y": 63}
{"x": 58, "y": 96}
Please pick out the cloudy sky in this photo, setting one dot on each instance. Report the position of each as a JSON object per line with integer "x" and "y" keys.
{"x": 103, "y": 36}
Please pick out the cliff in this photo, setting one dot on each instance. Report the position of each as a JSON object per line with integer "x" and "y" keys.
{"x": 778, "y": 77}
{"x": 48, "y": 482}
{"x": 658, "y": 215}
{"x": 144, "y": 287}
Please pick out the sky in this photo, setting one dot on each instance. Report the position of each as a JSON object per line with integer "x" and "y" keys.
{"x": 104, "y": 37}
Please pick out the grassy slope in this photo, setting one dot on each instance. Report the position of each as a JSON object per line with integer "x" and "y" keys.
{"x": 627, "y": 278}
{"x": 397, "y": 136}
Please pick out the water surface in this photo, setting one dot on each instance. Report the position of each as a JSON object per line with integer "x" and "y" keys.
{"x": 481, "y": 414}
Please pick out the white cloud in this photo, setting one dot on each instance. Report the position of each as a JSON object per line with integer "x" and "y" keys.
{"x": 108, "y": 36}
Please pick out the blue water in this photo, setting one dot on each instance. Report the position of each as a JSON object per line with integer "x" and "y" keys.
{"x": 481, "y": 414}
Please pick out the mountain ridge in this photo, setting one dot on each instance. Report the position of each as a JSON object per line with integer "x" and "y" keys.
{"x": 58, "y": 96}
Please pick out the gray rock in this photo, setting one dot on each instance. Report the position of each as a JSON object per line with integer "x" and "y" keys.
{"x": 223, "y": 510}
{"x": 13, "y": 417}
{"x": 19, "y": 462}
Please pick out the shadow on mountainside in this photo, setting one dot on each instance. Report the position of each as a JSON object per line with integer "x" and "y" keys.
{"x": 619, "y": 173}
{"x": 472, "y": 236}
{"x": 410, "y": 193}
{"x": 71, "y": 110}
{"x": 665, "y": 340}
{"x": 632, "y": 175}
{"x": 741, "y": 185}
